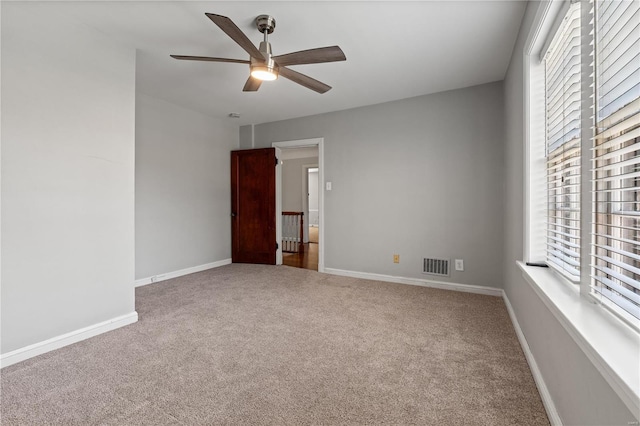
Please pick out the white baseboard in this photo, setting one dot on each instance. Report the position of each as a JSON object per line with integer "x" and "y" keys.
{"x": 57, "y": 342}
{"x": 547, "y": 401}
{"x": 181, "y": 272}
{"x": 467, "y": 288}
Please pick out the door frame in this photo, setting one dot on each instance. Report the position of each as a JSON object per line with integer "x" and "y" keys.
{"x": 301, "y": 143}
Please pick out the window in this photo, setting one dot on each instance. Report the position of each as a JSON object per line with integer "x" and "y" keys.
{"x": 562, "y": 116}
{"x": 615, "y": 263}
{"x": 582, "y": 178}
{"x": 590, "y": 63}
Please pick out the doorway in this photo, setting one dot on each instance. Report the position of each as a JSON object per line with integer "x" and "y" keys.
{"x": 301, "y": 163}
{"x": 305, "y": 253}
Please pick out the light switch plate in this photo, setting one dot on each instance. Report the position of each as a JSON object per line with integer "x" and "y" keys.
{"x": 459, "y": 265}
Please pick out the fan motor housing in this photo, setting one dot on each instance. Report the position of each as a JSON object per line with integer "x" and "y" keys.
{"x": 266, "y": 23}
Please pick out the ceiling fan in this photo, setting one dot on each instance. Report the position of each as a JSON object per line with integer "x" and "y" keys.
{"x": 264, "y": 66}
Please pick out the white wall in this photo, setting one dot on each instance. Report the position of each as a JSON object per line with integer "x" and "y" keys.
{"x": 183, "y": 198}
{"x": 68, "y": 105}
{"x": 580, "y": 393}
{"x": 417, "y": 177}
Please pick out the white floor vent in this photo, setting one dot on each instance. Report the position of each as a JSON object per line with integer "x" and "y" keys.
{"x": 435, "y": 266}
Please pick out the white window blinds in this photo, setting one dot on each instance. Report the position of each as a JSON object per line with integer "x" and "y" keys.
{"x": 615, "y": 264}
{"x": 563, "y": 115}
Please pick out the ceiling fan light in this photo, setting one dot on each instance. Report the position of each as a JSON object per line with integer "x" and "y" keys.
{"x": 264, "y": 73}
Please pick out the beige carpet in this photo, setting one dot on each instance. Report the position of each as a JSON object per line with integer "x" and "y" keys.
{"x": 250, "y": 344}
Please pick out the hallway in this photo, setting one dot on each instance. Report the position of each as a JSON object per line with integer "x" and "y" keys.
{"x": 308, "y": 259}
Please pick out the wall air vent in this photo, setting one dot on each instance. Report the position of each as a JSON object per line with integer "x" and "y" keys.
{"x": 434, "y": 266}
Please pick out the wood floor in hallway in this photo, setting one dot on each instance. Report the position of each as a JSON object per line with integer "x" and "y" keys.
{"x": 308, "y": 259}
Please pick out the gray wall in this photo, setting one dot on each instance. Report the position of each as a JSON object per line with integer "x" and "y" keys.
{"x": 313, "y": 198}
{"x": 292, "y": 183}
{"x": 581, "y": 394}
{"x": 246, "y": 137}
{"x": 417, "y": 177}
{"x": 183, "y": 197}
{"x": 68, "y": 108}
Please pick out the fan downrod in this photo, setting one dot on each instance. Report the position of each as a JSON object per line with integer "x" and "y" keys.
{"x": 266, "y": 23}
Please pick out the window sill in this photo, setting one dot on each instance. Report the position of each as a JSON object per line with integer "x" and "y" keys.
{"x": 611, "y": 345}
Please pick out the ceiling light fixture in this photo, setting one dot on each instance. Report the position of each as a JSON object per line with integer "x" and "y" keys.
{"x": 266, "y": 70}
{"x": 264, "y": 73}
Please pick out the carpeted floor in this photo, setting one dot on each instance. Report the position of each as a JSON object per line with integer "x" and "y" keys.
{"x": 251, "y": 344}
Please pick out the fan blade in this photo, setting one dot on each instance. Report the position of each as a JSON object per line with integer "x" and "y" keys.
{"x": 236, "y": 34}
{"x": 311, "y": 56}
{"x": 304, "y": 80}
{"x": 252, "y": 85}
{"x": 210, "y": 59}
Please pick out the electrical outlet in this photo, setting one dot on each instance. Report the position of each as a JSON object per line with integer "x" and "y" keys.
{"x": 459, "y": 265}
{"x": 396, "y": 258}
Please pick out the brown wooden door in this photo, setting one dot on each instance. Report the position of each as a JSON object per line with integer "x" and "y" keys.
{"x": 253, "y": 206}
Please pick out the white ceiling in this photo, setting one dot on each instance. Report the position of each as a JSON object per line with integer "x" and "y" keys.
{"x": 394, "y": 50}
